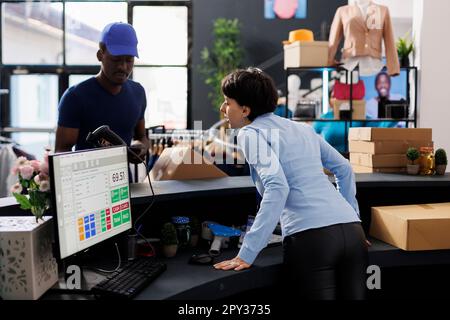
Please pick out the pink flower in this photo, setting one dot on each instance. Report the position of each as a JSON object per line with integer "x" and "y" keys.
{"x": 21, "y": 161}
{"x": 37, "y": 179}
{"x": 17, "y": 188}
{"x": 43, "y": 176}
{"x": 26, "y": 171}
{"x": 35, "y": 164}
{"x": 15, "y": 170}
{"x": 46, "y": 157}
{"x": 44, "y": 167}
{"x": 45, "y": 186}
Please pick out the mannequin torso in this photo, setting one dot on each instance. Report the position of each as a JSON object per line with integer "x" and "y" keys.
{"x": 363, "y": 6}
{"x": 367, "y": 65}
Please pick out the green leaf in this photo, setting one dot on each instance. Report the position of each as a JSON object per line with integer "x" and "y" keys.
{"x": 224, "y": 56}
{"x": 23, "y": 201}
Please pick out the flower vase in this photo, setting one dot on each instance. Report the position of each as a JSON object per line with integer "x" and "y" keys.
{"x": 27, "y": 266}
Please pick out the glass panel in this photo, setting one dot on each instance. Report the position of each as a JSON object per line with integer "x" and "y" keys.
{"x": 77, "y": 78}
{"x": 34, "y": 101}
{"x": 162, "y": 34}
{"x": 34, "y": 143}
{"x": 84, "y": 24}
{"x": 32, "y": 33}
{"x": 166, "y": 91}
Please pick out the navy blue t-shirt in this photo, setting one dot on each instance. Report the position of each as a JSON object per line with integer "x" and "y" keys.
{"x": 87, "y": 106}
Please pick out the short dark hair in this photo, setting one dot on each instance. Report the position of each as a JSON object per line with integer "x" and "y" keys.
{"x": 253, "y": 88}
{"x": 382, "y": 74}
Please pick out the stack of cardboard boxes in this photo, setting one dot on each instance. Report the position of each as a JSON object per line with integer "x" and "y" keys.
{"x": 384, "y": 149}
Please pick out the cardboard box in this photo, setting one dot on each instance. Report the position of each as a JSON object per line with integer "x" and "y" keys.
{"x": 183, "y": 163}
{"x": 375, "y": 134}
{"x": 27, "y": 266}
{"x": 386, "y": 147}
{"x": 413, "y": 227}
{"x": 306, "y": 54}
{"x": 378, "y": 161}
{"x": 358, "y": 106}
{"x": 363, "y": 169}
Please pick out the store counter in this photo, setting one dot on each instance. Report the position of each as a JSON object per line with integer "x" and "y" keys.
{"x": 185, "y": 281}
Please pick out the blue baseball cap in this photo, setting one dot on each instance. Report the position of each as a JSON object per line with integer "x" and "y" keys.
{"x": 120, "y": 39}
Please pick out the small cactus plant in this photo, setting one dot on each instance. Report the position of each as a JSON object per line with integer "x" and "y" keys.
{"x": 169, "y": 234}
{"x": 440, "y": 157}
{"x": 195, "y": 225}
{"x": 412, "y": 154}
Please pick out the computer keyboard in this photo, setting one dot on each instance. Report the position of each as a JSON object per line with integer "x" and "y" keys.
{"x": 130, "y": 279}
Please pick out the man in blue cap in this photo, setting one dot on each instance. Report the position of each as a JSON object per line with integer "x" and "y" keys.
{"x": 109, "y": 98}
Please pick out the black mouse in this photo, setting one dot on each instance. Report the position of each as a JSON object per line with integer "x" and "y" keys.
{"x": 204, "y": 259}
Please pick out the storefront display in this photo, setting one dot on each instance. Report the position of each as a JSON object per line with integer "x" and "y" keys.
{"x": 364, "y": 25}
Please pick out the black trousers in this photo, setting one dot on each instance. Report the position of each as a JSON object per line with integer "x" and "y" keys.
{"x": 326, "y": 263}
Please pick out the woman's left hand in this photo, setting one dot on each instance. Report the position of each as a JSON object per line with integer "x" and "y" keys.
{"x": 236, "y": 264}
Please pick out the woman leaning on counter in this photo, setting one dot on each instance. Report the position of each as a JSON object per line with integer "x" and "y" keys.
{"x": 325, "y": 251}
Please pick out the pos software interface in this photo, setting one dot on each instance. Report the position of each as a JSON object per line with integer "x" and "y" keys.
{"x": 91, "y": 197}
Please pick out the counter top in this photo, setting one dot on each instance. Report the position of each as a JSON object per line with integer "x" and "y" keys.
{"x": 186, "y": 281}
{"x": 166, "y": 190}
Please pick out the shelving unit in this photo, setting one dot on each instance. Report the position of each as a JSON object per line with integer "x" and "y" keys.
{"x": 411, "y": 97}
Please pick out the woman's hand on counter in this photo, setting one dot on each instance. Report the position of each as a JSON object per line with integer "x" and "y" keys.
{"x": 236, "y": 264}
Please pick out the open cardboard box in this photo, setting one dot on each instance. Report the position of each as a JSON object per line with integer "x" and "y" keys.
{"x": 184, "y": 163}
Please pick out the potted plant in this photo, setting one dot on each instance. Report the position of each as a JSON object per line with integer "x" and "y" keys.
{"x": 169, "y": 240}
{"x": 405, "y": 47}
{"x": 412, "y": 154}
{"x": 224, "y": 56}
{"x": 440, "y": 161}
{"x": 195, "y": 225}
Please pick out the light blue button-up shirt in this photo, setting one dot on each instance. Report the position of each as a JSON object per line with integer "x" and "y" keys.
{"x": 286, "y": 161}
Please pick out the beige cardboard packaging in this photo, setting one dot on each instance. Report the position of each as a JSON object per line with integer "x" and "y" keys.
{"x": 183, "y": 163}
{"x": 398, "y": 134}
{"x": 386, "y": 147}
{"x": 306, "y": 54}
{"x": 378, "y": 161}
{"x": 413, "y": 227}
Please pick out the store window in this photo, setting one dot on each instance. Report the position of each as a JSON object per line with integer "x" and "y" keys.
{"x": 48, "y": 46}
{"x": 166, "y": 89}
{"x": 162, "y": 67}
{"x": 32, "y": 33}
{"x": 84, "y": 24}
{"x": 34, "y": 105}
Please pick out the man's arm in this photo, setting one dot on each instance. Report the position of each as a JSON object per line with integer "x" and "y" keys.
{"x": 66, "y": 138}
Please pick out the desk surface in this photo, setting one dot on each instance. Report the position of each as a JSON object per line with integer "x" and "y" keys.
{"x": 185, "y": 281}
{"x": 179, "y": 189}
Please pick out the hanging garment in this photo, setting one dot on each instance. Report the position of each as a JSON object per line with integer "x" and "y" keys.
{"x": 7, "y": 179}
{"x": 363, "y": 38}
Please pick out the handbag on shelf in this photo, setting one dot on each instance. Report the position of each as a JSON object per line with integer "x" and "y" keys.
{"x": 342, "y": 91}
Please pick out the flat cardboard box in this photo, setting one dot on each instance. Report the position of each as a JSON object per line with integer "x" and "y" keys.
{"x": 386, "y": 147}
{"x": 379, "y": 161}
{"x": 397, "y": 134}
{"x": 184, "y": 163}
{"x": 358, "y": 106}
{"x": 306, "y": 54}
{"x": 363, "y": 169}
{"x": 413, "y": 227}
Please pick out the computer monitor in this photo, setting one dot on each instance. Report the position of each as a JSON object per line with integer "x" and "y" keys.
{"x": 91, "y": 197}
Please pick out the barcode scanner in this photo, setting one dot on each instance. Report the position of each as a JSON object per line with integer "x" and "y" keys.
{"x": 104, "y": 136}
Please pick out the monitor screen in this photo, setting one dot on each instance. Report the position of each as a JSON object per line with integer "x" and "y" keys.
{"x": 91, "y": 197}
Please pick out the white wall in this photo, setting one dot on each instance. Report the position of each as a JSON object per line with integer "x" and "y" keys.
{"x": 431, "y": 28}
